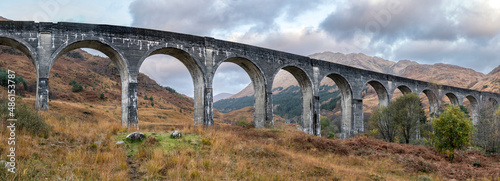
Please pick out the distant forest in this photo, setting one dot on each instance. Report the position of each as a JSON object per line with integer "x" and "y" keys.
{"x": 288, "y": 102}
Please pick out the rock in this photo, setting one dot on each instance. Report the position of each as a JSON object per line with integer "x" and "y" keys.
{"x": 97, "y": 142}
{"x": 136, "y": 136}
{"x": 176, "y": 134}
{"x": 120, "y": 142}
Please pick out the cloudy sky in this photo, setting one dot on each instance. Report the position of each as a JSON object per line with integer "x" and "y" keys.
{"x": 464, "y": 33}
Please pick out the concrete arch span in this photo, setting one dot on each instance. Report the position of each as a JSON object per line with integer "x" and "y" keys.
{"x": 404, "y": 89}
{"x": 474, "y": 108}
{"x": 21, "y": 46}
{"x": 381, "y": 90}
{"x": 310, "y": 118}
{"x": 117, "y": 58}
{"x": 433, "y": 102}
{"x": 345, "y": 102}
{"x": 453, "y": 98}
{"x": 197, "y": 75}
{"x": 259, "y": 84}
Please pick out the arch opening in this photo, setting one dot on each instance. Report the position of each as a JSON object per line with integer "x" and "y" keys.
{"x": 302, "y": 93}
{"x": 258, "y": 84}
{"x": 374, "y": 95}
{"x": 167, "y": 104}
{"x": 473, "y": 108}
{"x": 15, "y": 60}
{"x": 430, "y": 103}
{"x": 171, "y": 68}
{"x": 83, "y": 83}
{"x": 400, "y": 91}
{"x": 17, "y": 45}
{"x": 449, "y": 98}
{"x": 335, "y": 95}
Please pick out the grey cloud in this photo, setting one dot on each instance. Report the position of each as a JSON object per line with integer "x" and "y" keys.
{"x": 168, "y": 71}
{"x": 465, "y": 54}
{"x": 202, "y": 17}
{"x": 389, "y": 20}
{"x": 230, "y": 78}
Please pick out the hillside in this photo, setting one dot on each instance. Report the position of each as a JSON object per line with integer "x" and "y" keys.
{"x": 98, "y": 75}
{"x": 4, "y": 19}
{"x": 490, "y": 83}
{"x": 81, "y": 145}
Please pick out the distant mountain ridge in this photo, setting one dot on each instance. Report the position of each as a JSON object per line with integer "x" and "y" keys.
{"x": 221, "y": 96}
{"x": 4, "y": 19}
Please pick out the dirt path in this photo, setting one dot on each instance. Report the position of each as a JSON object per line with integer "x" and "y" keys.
{"x": 134, "y": 169}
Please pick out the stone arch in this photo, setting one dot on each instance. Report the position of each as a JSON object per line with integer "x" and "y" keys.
{"x": 20, "y": 45}
{"x": 474, "y": 108}
{"x": 380, "y": 89}
{"x": 404, "y": 89}
{"x": 400, "y": 89}
{"x": 196, "y": 74}
{"x": 306, "y": 88}
{"x": 433, "y": 101}
{"x": 345, "y": 101}
{"x": 453, "y": 98}
{"x": 115, "y": 56}
{"x": 259, "y": 84}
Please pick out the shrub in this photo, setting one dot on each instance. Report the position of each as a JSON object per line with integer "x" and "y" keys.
{"x": 101, "y": 96}
{"x": 452, "y": 130}
{"x": 242, "y": 122}
{"x": 28, "y": 119}
{"x": 77, "y": 87}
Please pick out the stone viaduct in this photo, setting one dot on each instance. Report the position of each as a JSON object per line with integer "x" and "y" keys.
{"x": 43, "y": 43}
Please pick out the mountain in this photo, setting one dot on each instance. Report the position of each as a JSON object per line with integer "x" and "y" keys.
{"x": 4, "y": 19}
{"x": 221, "y": 96}
{"x": 490, "y": 83}
{"x": 443, "y": 74}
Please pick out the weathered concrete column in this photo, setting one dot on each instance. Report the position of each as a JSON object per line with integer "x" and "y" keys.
{"x": 316, "y": 116}
{"x": 269, "y": 117}
{"x": 132, "y": 107}
{"x": 208, "y": 119}
{"x": 357, "y": 111}
{"x": 42, "y": 94}
{"x": 44, "y": 52}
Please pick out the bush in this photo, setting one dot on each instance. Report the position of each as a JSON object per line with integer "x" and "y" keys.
{"x": 452, "y": 131}
{"x": 28, "y": 119}
{"x": 101, "y": 96}
{"x": 77, "y": 87}
{"x": 242, "y": 122}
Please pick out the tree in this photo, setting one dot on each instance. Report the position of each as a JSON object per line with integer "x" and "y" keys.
{"x": 452, "y": 131}
{"x": 487, "y": 133}
{"x": 402, "y": 117}
{"x": 409, "y": 115}
{"x": 325, "y": 124}
{"x": 382, "y": 121}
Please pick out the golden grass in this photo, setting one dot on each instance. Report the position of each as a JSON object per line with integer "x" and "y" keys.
{"x": 81, "y": 146}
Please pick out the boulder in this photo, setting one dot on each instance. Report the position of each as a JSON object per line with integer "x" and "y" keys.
{"x": 176, "y": 134}
{"x": 136, "y": 136}
{"x": 120, "y": 142}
